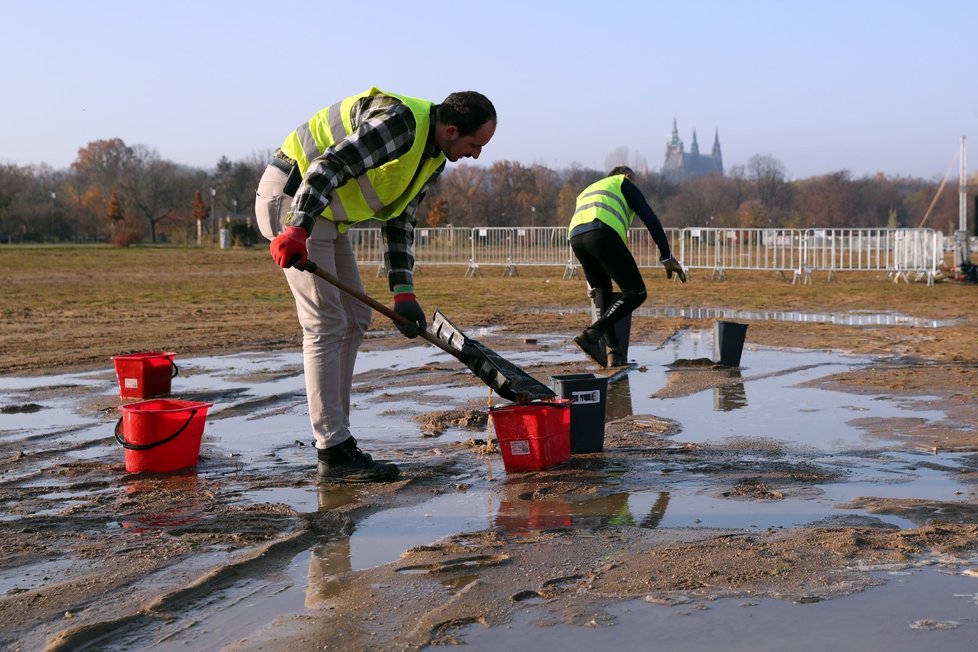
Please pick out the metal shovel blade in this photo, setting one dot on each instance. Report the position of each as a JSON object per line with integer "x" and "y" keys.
{"x": 504, "y": 377}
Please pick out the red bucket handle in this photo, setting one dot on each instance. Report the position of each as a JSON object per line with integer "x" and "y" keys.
{"x": 175, "y": 370}
{"x": 145, "y": 447}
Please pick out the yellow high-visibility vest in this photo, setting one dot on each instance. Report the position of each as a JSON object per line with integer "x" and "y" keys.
{"x": 381, "y": 193}
{"x": 604, "y": 201}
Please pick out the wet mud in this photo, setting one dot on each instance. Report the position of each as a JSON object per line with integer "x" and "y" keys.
{"x": 800, "y": 478}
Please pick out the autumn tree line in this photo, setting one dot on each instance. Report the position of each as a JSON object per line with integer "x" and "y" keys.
{"x": 125, "y": 194}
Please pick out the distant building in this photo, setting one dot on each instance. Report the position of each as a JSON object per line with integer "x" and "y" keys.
{"x": 681, "y": 165}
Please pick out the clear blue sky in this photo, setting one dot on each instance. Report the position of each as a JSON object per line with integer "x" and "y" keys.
{"x": 862, "y": 85}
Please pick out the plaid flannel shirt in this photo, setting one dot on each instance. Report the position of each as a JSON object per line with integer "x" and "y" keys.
{"x": 383, "y": 129}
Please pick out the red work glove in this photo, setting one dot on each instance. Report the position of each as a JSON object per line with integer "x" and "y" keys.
{"x": 406, "y": 305}
{"x": 289, "y": 247}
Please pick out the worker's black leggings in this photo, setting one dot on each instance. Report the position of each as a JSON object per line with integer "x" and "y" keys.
{"x": 606, "y": 258}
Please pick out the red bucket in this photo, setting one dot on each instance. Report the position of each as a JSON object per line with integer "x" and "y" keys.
{"x": 144, "y": 375}
{"x": 534, "y": 436}
{"x": 162, "y": 435}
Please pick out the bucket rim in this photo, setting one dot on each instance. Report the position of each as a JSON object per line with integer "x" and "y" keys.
{"x": 577, "y": 377}
{"x": 182, "y": 406}
{"x": 550, "y": 402}
{"x": 148, "y": 354}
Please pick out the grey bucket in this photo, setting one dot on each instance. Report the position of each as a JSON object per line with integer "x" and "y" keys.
{"x": 728, "y": 342}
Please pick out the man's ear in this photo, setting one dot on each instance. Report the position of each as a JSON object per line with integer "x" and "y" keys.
{"x": 451, "y": 131}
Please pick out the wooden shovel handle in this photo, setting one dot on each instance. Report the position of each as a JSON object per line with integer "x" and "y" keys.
{"x": 313, "y": 268}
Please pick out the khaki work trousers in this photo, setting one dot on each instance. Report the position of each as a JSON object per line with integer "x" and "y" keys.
{"x": 333, "y": 323}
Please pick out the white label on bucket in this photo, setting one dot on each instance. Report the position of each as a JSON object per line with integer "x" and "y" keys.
{"x": 520, "y": 447}
{"x": 131, "y": 383}
{"x": 593, "y": 396}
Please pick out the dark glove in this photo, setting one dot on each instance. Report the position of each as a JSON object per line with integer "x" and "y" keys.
{"x": 406, "y": 305}
{"x": 289, "y": 247}
{"x": 673, "y": 267}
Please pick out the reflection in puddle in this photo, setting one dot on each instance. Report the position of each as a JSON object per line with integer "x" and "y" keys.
{"x": 838, "y": 318}
{"x": 619, "y": 400}
{"x": 329, "y": 565}
{"x": 730, "y": 397}
{"x": 523, "y": 516}
{"x": 185, "y": 501}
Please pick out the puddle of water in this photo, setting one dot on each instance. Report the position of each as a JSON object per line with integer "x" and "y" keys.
{"x": 32, "y": 576}
{"x": 302, "y": 499}
{"x": 307, "y": 499}
{"x": 926, "y": 609}
{"x": 767, "y": 403}
{"x": 855, "y": 318}
{"x": 381, "y": 538}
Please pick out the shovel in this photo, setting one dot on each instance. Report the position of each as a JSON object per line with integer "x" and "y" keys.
{"x": 504, "y": 377}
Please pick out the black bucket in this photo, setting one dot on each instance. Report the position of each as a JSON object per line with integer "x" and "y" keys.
{"x": 588, "y": 394}
{"x": 728, "y": 342}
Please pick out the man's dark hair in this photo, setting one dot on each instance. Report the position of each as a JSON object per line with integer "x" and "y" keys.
{"x": 622, "y": 169}
{"x": 467, "y": 110}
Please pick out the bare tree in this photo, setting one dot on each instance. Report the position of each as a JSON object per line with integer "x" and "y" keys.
{"x": 153, "y": 191}
{"x": 768, "y": 173}
{"x": 465, "y": 190}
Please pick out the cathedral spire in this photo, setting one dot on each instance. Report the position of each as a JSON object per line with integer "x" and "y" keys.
{"x": 674, "y": 141}
{"x": 695, "y": 147}
{"x": 716, "y": 149}
{"x": 674, "y": 144}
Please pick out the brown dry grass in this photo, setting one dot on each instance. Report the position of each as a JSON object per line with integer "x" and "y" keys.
{"x": 76, "y": 306}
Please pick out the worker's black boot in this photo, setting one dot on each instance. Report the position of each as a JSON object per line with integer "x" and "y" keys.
{"x": 592, "y": 344}
{"x": 347, "y": 463}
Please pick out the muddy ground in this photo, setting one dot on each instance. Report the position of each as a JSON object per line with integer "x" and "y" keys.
{"x": 138, "y": 549}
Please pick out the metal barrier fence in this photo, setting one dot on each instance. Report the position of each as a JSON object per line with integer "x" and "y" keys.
{"x": 903, "y": 254}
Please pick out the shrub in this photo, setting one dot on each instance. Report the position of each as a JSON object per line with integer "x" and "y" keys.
{"x": 126, "y": 237}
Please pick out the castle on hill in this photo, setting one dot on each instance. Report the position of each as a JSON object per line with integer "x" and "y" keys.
{"x": 681, "y": 165}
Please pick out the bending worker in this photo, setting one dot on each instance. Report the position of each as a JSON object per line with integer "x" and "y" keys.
{"x": 369, "y": 156}
{"x": 598, "y": 236}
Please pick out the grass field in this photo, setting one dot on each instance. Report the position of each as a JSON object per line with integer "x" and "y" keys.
{"x": 69, "y": 306}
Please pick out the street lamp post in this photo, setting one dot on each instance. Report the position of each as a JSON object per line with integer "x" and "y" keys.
{"x": 213, "y": 213}
{"x": 54, "y": 196}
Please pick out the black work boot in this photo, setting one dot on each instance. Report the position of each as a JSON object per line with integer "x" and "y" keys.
{"x": 616, "y": 359}
{"x": 591, "y": 343}
{"x": 347, "y": 463}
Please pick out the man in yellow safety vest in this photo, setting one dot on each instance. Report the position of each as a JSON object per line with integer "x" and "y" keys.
{"x": 370, "y": 156}
{"x": 598, "y": 235}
